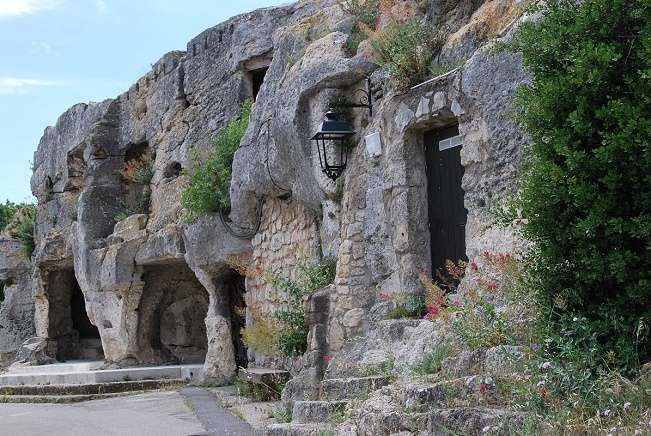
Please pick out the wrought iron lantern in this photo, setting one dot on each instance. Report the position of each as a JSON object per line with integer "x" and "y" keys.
{"x": 332, "y": 144}
{"x": 332, "y": 139}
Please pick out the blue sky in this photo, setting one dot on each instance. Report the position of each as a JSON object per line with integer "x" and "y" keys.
{"x": 55, "y": 53}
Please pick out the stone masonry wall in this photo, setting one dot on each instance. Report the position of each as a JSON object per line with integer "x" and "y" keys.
{"x": 288, "y": 238}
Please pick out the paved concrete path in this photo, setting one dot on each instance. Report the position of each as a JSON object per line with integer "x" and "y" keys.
{"x": 215, "y": 419}
{"x": 190, "y": 413}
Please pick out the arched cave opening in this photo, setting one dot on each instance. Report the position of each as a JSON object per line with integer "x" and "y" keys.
{"x": 172, "y": 314}
{"x": 68, "y": 321}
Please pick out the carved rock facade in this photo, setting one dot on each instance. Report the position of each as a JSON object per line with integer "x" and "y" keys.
{"x": 144, "y": 281}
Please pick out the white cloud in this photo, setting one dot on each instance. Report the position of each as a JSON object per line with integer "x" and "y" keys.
{"x": 17, "y": 8}
{"x": 101, "y": 6}
{"x": 16, "y": 85}
{"x": 40, "y": 48}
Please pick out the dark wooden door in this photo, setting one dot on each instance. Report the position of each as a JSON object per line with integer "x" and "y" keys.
{"x": 447, "y": 214}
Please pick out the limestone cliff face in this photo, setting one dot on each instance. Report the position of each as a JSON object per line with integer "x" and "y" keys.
{"x": 17, "y": 306}
{"x": 157, "y": 289}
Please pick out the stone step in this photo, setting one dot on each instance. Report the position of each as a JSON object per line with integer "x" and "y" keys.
{"x": 263, "y": 376}
{"x": 61, "y": 399}
{"x": 393, "y": 330}
{"x": 84, "y": 377}
{"x": 306, "y": 412}
{"x": 62, "y": 367}
{"x": 474, "y": 421}
{"x": 292, "y": 429}
{"x": 351, "y": 388}
{"x": 459, "y": 392}
{"x": 90, "y": 389}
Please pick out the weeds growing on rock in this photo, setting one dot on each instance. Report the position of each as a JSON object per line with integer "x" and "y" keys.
{"x": 284, "y": 332}
{"x": 259, "y": 391}
{"x": 282, "y": 414}
{"x": 210, "y": 176}
{"x": 433, "y": 362}
{"x": 138, "y": 173}
{"x": 21, "y": 228}
{"x": 405, "y": 50}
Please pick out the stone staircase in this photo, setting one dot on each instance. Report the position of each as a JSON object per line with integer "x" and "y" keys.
{"x": 352, "y": 403}
{"x": 317, "y": 417}
{"x": 83, "y": 380}
{"x": 76, "y": 393}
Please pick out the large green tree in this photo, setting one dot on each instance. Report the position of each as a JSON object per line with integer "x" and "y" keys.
{"x": 586, "y": 189}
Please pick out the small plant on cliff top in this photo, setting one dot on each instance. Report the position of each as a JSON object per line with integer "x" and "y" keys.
{"x": 364, "y": 13}
{"x": 405, "y": 50}
{"x": 21, "y": 228}
{"x": 7, "y": 212}
{"x": 138, "y": 172}
{"x": 210, "y": 177}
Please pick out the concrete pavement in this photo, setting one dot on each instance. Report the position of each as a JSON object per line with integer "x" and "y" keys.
{"x": 152, "y": 414}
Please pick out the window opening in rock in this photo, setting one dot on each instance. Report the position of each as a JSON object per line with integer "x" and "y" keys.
{"x": 447, "y": 213}
{"x": 172, "y": 170}
{"x": 136, "y": 151}
{"x": 257, "y": 79}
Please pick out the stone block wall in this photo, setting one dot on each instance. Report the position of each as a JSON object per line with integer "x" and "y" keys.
{"x": 288, "y": 237}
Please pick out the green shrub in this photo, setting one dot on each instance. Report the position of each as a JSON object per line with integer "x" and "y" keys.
{"x": 21, "y": 228}
{"x": 7, "y": 212}
{"x": 364, "y": 13}
{"x": 405, "y": 50}
{"x": 433, "y": 362}
{"x": 138, "y": 173}
{"x": 292, "y": 336}
{"x": 479, "y": 325}
{"x": 210, "y": 179}
{"x": 409, "y": 306}
{"x": 586, "y": 189}
{"x": 262, "y": 336}
{"x": 260, "y": 391}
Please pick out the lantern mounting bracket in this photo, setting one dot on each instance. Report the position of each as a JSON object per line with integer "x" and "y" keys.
{"x": 365, "y": 100}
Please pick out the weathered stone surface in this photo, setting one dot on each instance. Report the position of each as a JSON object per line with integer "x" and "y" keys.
{"x": 34, "y": 351}
{"x": 16, "y": 304}
{"x": 147, "y": 279}
{"x": 316, "y": 411}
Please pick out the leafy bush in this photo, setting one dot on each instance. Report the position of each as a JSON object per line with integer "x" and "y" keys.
{"x": 138, "y": 172}
{"x": 408, "y": 306}
{"x": 285, "y": 332}
{"x": 364, "y": 13}
{"x": 210, "y": 178}
{"x": 21, "y": 228}
{"x": 433, "y": 362}
{"x": 479, "y": 325}
{"x": 292, "y": 334}
{"x": 405, "y": 50}
{"x": 262, "y": 337}
{"x": 7, "y": 212}
{"x": 586, "y": 190}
